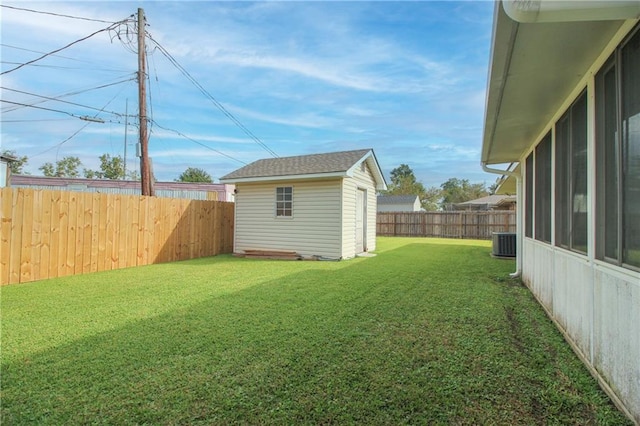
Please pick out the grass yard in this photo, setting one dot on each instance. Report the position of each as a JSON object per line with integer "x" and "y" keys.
{"x": 428, "y": 332}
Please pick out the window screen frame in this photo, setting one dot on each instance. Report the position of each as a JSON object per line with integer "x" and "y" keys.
{"x": 614, "y": 240}
{"x": 542, "y": 189}
{"x": 571, "y": 189}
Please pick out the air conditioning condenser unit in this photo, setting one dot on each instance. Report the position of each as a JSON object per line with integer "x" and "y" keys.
{"x": 504, "y": 244}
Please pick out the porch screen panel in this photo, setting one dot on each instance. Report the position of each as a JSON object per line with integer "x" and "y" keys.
{"x": 543, "y": 190}
{"x": 618, "y": 156}
{"x": 607, "y": 162}
{"x": 562, "y": 181}
{"x": 528, "y": 195}
{"x": 578, "y": 188}
{"x": 631, "y": 151}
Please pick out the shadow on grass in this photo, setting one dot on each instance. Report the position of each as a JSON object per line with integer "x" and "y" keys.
{"x": 422, "y": 333}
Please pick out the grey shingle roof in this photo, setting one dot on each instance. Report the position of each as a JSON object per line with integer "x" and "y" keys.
{"x": 300, "y": 165}
{"x": 489, "y": 199}
{"x": 396, "y": 199}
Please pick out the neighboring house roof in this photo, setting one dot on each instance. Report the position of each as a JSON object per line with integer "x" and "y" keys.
{"x": 396, "y": 199}
{"x": 490, "y": 200}
{"x": 193, "y": 190}
{"x": 534, "y": 67}
{"x": 333, "y": 164}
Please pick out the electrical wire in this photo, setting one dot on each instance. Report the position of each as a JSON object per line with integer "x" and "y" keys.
{"x": 35, "y": 120}
{"x": 56, "y": 14}
{"x": 109, "y": 28}
{"x": 85, "y": 90}
{"x": 81, "y": 117}
{"x": 89, "y": 121}
{"x": 199, "y": 143}
{"x": 73, "y": 93}
{"x": 60, "y": 67}
{"x": 217, "y": 104}
{"x": 47, "y": 98}
{"x": 57, "y": 56}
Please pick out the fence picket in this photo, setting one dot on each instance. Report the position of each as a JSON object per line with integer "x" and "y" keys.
{"x": 466, "y": 224}
{"x": 48, "y": 234}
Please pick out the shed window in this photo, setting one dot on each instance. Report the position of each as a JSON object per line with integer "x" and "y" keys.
{"x": 571, "y": 177}
{"x": 284, "y": 201}
{"x": 618, "y": 156}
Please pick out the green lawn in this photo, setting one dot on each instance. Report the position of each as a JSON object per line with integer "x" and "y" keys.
{"x": 428, "y": 332}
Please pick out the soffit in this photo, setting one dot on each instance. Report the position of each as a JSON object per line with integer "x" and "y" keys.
{"x": 534, "y": 68}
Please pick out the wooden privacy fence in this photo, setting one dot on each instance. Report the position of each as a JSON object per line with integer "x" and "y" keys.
{"x": 47, "y": 234}
{"x": 462, "y": 224}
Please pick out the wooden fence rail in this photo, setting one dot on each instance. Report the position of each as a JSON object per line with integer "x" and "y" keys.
{"x": 47, "y": 234}
{"x": 463, "y": 224}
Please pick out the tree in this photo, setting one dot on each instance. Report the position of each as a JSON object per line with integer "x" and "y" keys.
{"x": 431, "y": 199}
{"x": 67, "y": 167}
{"x": 18, "y": 164}
{"x": 133, "y": 175}
{"x": 456, "y": 191}
{"x": 194, "y": 174}
{"x": 404, "y": 182}
{"x": 494, "y": 186}
{"x": 110, "y": 168}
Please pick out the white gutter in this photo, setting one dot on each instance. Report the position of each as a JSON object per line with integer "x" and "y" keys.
{"x": 519, "y": 213}
{"x": 531, "y": 11}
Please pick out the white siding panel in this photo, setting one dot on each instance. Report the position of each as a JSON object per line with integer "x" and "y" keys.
{"x": 349, "y": 189}
{"x": 314, "y": 228}
{"x": 617, "y": 333}
{"x": 598, "y": 307}
{"x": 538, "y": 270}
{"x": 366, "y": 181}
{"x": 573, "y": 298}
{"x": 361, "y": 180}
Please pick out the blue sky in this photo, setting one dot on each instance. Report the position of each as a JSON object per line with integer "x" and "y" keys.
{"x": 407, "y": 79}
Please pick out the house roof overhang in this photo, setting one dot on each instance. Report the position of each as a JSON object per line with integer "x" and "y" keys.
{"x": 534, "y": 67}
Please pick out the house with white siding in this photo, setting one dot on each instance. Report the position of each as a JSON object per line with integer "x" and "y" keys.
{"x": 398, "y": 203}
{"x": 562, "y": 121}
{"x": 5, "y": 170}
{"x": 320, "y": 205}
{"x": 190, "y": 190}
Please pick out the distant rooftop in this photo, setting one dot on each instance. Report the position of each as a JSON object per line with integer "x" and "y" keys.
{"x": 396, "y": 199}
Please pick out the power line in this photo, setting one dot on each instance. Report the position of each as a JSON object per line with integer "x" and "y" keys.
{"x": 35, "y": 120}
{"x": 109, "y": 28}
{"x": 89, "y": 120}
{"x": 60, "y": 67}
{"x": 57, "y": 99}
{"x": 81, "y": 117}
{"x": 38, "y": 51}
{"x": 198, "y": 142}
{"x": 218, "y": 105}
{"x": 56, "y": 14}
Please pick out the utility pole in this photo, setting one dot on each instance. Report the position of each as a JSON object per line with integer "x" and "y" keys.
{"x": 145, "y": 173}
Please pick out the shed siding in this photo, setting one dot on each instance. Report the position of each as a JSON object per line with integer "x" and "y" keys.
{"x": 361, "y": 180}
{"x": 314, "y": 228}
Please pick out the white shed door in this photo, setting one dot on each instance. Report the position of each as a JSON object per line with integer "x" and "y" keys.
{"x": 361, "y": 207}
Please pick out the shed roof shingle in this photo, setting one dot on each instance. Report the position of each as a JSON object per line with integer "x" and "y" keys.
{"x": 299, "y": 165}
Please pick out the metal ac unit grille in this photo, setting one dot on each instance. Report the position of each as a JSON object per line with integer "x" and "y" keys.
{"x": 504, "y": 244}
